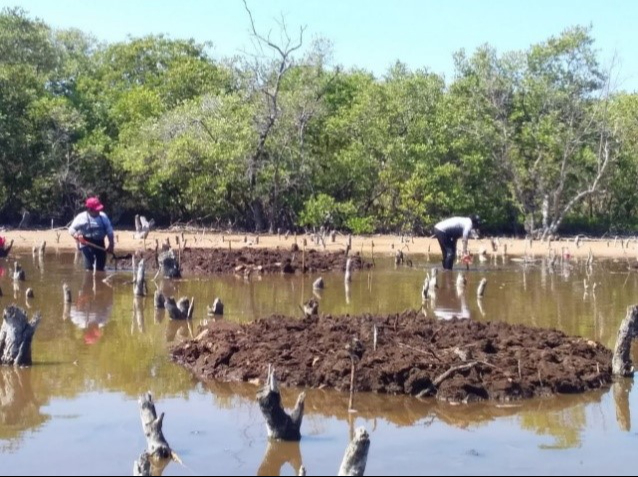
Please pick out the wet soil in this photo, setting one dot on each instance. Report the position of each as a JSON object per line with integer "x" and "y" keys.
{"x": 454, "y": 360}
{"x": 205, "y": 261}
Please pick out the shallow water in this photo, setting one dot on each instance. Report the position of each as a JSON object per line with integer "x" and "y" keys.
{"x": 75, "y": 411}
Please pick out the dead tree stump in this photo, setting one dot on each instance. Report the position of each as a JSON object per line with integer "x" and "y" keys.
{"x": 621, "y": 361}
{"x": 139, "y": 285}
{"x": 216, "y": 309}
{"x": 16, "y": 335}
{"x": 169, "y": 265}
{"x": 182, "y": 310}
{"x": 280, "y": 425}
{"x": 142, "y": 466}
{"x": 158, "y": 300}
{"x": 356, "y": 456}
{"x": 157, "y": 446}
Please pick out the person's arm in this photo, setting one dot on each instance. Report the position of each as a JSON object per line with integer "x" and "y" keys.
{"x": 75, "y": 230}
{"x": 109, "y": 233}
{"x": 467, "y": 228}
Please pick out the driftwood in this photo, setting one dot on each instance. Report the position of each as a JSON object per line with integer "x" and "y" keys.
{"x": 16, "y": 335}
{"x": 168, "y": 264}
{"x": 157, "y": 446}
{"x": 182, "y": 310}
{"x": 279, "y": 424}
{"x": 621, "y": 361}
{"x": 356, "y": 456}
{"x": 318, "y": 284}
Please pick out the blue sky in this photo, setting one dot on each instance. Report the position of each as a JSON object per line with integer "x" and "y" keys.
{"x": 370, "y": 34}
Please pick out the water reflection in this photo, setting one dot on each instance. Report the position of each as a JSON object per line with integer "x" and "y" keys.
{"x": 19, "y": 406}
{"x": 129, "y": 356}
{"x": 621, "y": 389}
{"x": 92, "y": 307}
{"x": 279, "y": 454}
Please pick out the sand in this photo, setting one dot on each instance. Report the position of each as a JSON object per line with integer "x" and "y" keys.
{"x": 366, "y": 245}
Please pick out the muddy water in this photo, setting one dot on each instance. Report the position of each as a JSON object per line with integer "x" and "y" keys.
{"x": 75, "y": 411}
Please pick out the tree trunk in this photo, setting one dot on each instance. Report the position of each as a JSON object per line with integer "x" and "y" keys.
{"x": 356, "y": 456}
{"x": 621, "y": 362}
{"x": 16, "y": 335}
{"x": 279, "y": 424}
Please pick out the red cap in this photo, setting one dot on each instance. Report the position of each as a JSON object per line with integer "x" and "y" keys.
{"x": 93, "y": 203}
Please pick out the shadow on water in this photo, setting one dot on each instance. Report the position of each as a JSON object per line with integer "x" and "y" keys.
{"x": 107, "y": 348}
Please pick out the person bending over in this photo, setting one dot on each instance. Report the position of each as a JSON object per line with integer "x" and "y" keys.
{"x": 448, "y": 232}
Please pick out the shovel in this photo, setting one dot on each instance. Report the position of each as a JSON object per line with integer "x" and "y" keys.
{"x": 83, "y": 241}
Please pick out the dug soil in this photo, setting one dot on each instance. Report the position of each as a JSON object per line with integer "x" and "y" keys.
{"x": 454, "y": 360}
{"x": 206, "y": 261}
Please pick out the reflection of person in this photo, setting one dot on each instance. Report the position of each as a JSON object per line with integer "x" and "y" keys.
{"x": 90, "y": 228}
{"x": 92, "y": 309}
{"x": 448, "y": 232}
{"x": 450, "y": 301}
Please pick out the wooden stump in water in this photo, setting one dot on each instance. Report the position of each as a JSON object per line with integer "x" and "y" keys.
{"x": 142, "y": 466}
{"x": 279, "y": 424}
{"x": 16, "y": 335}
{"x": 356, "y": 456}
{"x": 139, "y": 285}
{"x": 182, "y": 310}
{"x": 621, "y": 361}
{"x": 169, "y": 265}
{"x": 157, "y": 446}
{"x": 158, "y": 300}
{"x": 217, "y": 308}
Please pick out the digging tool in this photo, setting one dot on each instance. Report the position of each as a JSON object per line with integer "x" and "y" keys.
{"x": 84, "y": 241}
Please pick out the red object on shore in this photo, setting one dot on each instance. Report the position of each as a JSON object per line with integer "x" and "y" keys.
{"x": 2, "y": 242}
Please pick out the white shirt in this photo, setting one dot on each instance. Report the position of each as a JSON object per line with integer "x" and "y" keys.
{"x": 456, "y": 227}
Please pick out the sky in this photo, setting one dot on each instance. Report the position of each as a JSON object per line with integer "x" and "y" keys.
{"x": 368, "y": 34}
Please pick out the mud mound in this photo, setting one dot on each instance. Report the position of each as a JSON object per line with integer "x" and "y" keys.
{"x": 455, "y": 360}
{"x": 200, "y": 261}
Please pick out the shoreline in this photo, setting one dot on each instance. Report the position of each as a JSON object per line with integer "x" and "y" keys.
{"x": 368, "y": 246}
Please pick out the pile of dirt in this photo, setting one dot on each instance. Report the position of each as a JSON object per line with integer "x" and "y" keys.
{"x": 201, "y": 261}
{"x": 454, "y": 360}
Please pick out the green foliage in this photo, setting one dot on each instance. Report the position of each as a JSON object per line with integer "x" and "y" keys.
{"x": 156, "y": 125}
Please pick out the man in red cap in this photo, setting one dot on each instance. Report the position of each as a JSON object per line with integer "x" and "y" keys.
{"x": 90, "y": 228}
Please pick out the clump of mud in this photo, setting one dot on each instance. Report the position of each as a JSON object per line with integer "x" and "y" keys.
{"x": 454, "y": 360}
{"x": 200, "y": 261}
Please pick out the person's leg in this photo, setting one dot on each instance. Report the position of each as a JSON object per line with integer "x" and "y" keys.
{"x": 89, "y": 257}
{"x": 441, "y": 237}
{"x": 100, "y": 260}
{"x": 451, "y": 253}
